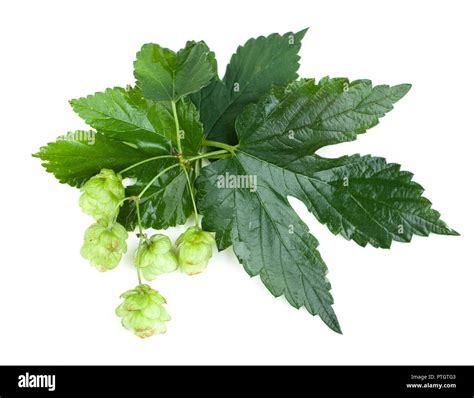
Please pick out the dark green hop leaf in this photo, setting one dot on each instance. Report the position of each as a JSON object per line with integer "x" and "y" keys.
{"x": 244, "y": 198}
{"x": 166, "y": 203}
{"x": 256, "y": 66}
{"x": 267, "y": 236}
{"x": 296, "y": 121}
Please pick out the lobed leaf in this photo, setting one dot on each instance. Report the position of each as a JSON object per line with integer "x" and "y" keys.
{"x": 298, "y": 120}
{"x": 362, "y": 198}
{"x": 77, "y": 156}
{"x": 125, "y": 115}
{"x": 163, "y": 75}
{"x": 255, "y": 67}
{"x": 267, "y": 236}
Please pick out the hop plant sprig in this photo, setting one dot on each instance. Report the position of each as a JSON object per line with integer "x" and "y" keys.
{"x": 263, "y": 126}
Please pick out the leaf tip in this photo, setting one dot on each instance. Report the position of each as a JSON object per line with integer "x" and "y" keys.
{"x": 453, "y": 232}
{"x": 73, "y": 103}
{"x": 336, "y": 327}
{"x": 399, "y": 91}
{"x": 302, "y": 33}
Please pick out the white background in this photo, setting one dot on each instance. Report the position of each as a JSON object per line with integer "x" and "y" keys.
{"x": 410, "y": 305}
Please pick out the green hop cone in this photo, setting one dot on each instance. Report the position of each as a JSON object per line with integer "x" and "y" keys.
{"x": 143, "y": 312}
{"x": 155, "y": 256}
{"x": 101, "y": 195}
{"x": 195, "y": 250}
{"x": 104, "y": 245}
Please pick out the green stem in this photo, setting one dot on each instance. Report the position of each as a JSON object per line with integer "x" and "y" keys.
{"x": 191, "y": 192}
{"x": 139, "y": 276}
{"x": 145, "y": 161}
{"x": 139, "y": 219}
{"x": 140, "y": 229}
{"x": 182, "y": 162}
{"x": 197, "y": 167}
{"x": 156, "y": 177}
{"x": 217, "y": 144}
{"x": 208, "y": 155}
{"x": 225, "y": 155}
{"x": 202, "y": 156}
{"x": 176, "y": 123}
{"x": 118, "y": 206}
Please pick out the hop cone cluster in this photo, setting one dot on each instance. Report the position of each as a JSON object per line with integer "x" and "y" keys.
{"x": 142, "y": 309}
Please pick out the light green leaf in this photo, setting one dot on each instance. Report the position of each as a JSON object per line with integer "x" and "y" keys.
{"x": 162, "y": 74}
{"x": 124, "y": 115}
{"x": 79, "y": 155}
